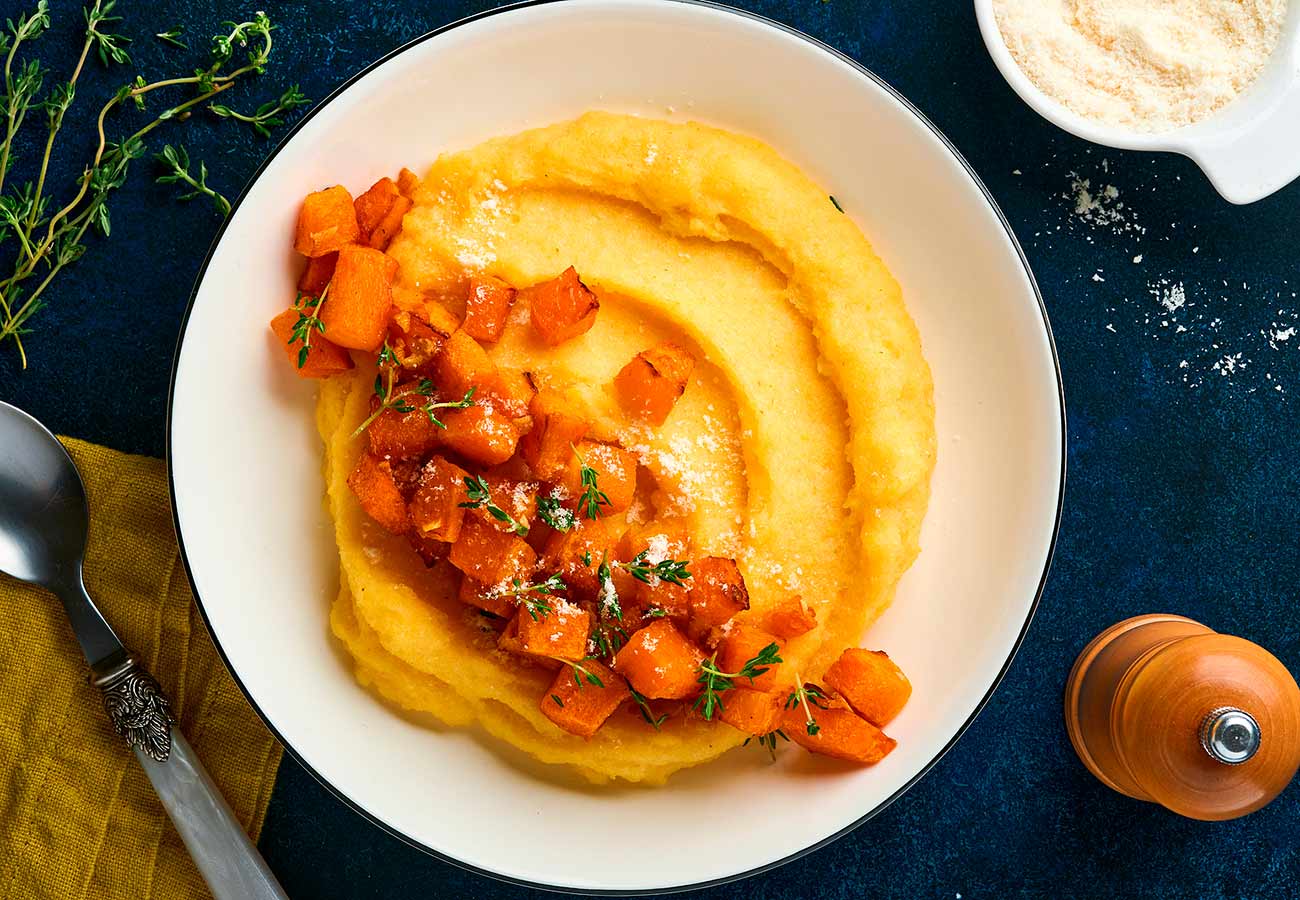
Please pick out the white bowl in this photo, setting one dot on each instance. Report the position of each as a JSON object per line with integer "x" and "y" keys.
{"x": 244, "y": 458}
{"x": 1247, "y": 149}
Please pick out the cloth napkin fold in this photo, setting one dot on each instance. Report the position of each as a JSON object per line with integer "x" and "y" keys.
{"x": 78, "y": 818}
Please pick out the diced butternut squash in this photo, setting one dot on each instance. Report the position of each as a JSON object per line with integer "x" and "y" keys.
{"x": 753, "y": 712}
{"x": 488, "y": 307}
{"x": 558, "y": 426}
{"x": 317, "y": 274}
{"x": 517, "y": 498}
{"x": 461, "y": 365}
{"x": 871, "y": 683}
{"x": 668, "y": 539}
{"x": 355, "y": 312}
{"x": 373, "y": 205}
{"x": 562, "y": 308}
{"x": 841, "y": 733}
{"x": 435, "y": 508}
{"x": 790, "y": 618}
{"x": 660, "y": 662}
{"x": 649, "y": 385}
{"x": 741, "y": 643}
{"x": 327, "y": 222}
{"x": 580, "y": 707}
{"x": 414, "y": 342}
{"x": 576, "y": 554}
{"x": 376, "y": 490}
{"x": 489, "y": 555}
{"x": 717, "y": 593}
{"x": 561, "y": 632}
{"x": 615, "y": 474}
{"x": 323, "y": 357}
{"x": 407, "y": 182}
{"x": 401, "y": 435}
{"x": 390, "y": 225}
{"x": 513, "y": 393}
{"x": 430, "y": 551}
{"x": 486, "y": 597}
{"x": 481, "y": 433}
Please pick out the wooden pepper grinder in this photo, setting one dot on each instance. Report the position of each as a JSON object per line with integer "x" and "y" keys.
{"x": 1163, "y": 709}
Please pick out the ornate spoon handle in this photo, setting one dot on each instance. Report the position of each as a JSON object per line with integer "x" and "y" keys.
{"x": 227, "y": 859}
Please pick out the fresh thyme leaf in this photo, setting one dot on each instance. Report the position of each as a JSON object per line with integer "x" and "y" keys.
{"x": 109, "y": 46}
{"x": 607, "y": 638}
{"x": 554, "y": 513}
{"x": 655, "y": 612}
{"x": 673, "y": 571}
{"x": 267, "y": 115}
{"x": 558, "y": 701}
{"x": 592, "y": 497}
{"x": 537, "y": 607}
{"x": 715, "y": 682}
{"x": 768, "y": 741}
{"x": 480, "y": 496}
{"x": 582, "y": 676}
{"x": 643, "y": 704}
{"x": 807, "y": 696}
{"x": 173, "y": 36}
{"x": 608, "y": 594}
{"x": 177, "y": 161}
{"x": 308, "y": 322}
{"x": 836, "y": 203}
{"x": 426, "y": 390}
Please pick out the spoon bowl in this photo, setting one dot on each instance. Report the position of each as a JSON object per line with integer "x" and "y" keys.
{"x": 44, "y": 516}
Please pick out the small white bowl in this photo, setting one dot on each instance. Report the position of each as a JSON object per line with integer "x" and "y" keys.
{"x": 1248, "y": 149}
{"x": 245, "y": 462}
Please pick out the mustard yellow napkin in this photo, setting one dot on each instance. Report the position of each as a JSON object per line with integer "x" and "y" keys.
{"x": 78, "y": 818}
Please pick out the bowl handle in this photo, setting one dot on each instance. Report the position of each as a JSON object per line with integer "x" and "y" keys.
{"x": 1261, "y": 156}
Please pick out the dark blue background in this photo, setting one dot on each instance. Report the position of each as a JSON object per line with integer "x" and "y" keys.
{"x": 1182, "y": 483}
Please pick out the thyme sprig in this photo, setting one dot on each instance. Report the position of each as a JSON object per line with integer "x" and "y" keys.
{"x": 807, "y": 696}
{"x": 608, "y": 593}
{"x": 643, "y": 705}
{"x": 173, "y": 36}
{"x": 582, "y": 676}
{"x": 269, "y": 114}
{"x": 715, "y": 682}
{"x": 480, "y": 496}
{"x": 767, "y": 741}
{"x": 401, "y": 401}
{"x": 674, "y": 571}
{"x": 537, "y": 607}
{"x": 592, "y": 497}
{"x": 554, "y": 513}
{"x": 308, "y": 323}
{"x": 46, "y": 243}
{"x": 177, "y": 161}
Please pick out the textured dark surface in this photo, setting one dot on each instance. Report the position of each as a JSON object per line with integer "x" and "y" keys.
{"x": 1182, "y": 478}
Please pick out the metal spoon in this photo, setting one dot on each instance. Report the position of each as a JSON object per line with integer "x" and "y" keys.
{"x": 44, "y": 519}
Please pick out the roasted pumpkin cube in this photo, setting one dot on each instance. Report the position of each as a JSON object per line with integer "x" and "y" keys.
{"x": 663, "y": 540}
{"x": 391, "y": 224}
{"x": 486, "y": 597}
{"x": 562, "y": 308}
{"x": 376, "y": 490}
{"x": 356, "y": 311}
{"x": 488, "y": 555}
{"x": 550, "y": 626}
{"x": 513, "y": 392}
{"x": 558, "y": 426}
{"x": 660, "y": 662}
{"x": 615, "y": 470}
{"x": 326, "y": 223}
{"x": 481, "y": 433}
{"x": 400, "y": 435}
{"x": 323, "y": 358}
{"x": 487, "y": 307}
{"x": 649, "y": 385}
{"x": 414, "y": 342}
{"x": 373, "y": 205}
{"x": 840, "y": 732}
{"x": 740, "y": 643}
{"x": 717, "y": 593}
{"x": 435, "y": 508}
{"x": 753, "y": 712}
{"x": 462, "y": 364}
{"x": 429, "y": 550}
{"x": 871, "y": 683}
{"x": 790, "y": 618}
{"x": 317, "y": 274}
{"x": 579, "y": 706}
{"x": 407, "y": 182}
{"x": 576, "y": 554}
{"x": 517, "y": 498}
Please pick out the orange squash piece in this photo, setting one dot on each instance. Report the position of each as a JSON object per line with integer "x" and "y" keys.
{"x": 790, "y": 618}
{"x": 660, "y": 662}
{"x": 649, "y": 385}
{"x": 753, "y": 712}
{"x": 461, "y": 365}
{"x": 513, "y": 392}
{"x": 485, "y": 597}
{"x": 568, "y": 552}
{"x": 518, "y": 498}
{"x": 489, "y": 555}
{"x": 376, "y": 490}
{"x": 871, "y": 683}
{"x": 488, "y": 307}
{"x": 561, "y": 633}
{"x": 429, "y": 551}
{"x": 391, "y": 224}
{"x": 669, "y": 539}
{"x": 373, "y": 205}
{"x": 558, "y": 426}
{"x": 414, "y": 341}
{"x": 435, "y": 508}
{"x": 397, "y": 435}
{"x": 481, "y": 433}
{"x": 562, "y": 308}
{"x": 841, "y": 733}
{"x": 323, "y": 358}
{"x": 317, "y": 274}
{"x": 580, "y": 707}
{"x": 717, "y": 593}
{"x": 741, "y": 643}
{"x": 327, "y": 222}
{"x": 407, "y": 182}
{"x": 355, "y": 312}
{"x": 615, "y": 474}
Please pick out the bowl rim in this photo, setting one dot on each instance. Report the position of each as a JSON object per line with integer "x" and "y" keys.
{"x": 925, "y": 769}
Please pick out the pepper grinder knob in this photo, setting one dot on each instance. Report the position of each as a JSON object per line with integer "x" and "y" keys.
{"x": 1164, "y": 709}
